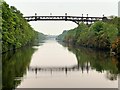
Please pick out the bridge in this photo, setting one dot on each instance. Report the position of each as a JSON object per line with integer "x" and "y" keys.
{"x": 58, "y": 69}
{"x": 76, "y": 19}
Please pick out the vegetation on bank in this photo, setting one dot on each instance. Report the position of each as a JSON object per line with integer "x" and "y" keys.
{"x": 100, "y": 35}
{"x": 16, "y": 31}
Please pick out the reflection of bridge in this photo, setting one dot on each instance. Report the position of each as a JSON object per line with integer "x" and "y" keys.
{"x": 58, "y": 69}
{"x": 76, "y": 19}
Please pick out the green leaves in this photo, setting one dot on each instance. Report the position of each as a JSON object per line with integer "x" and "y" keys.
{"x": 62, "y": 36}
{"x": 112, "y": 32}
{"x": 97, "y": 26}
{"x": 99, "y": 35}
{"x": 16, "y": 31}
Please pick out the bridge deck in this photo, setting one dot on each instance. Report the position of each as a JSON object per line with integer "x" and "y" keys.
{"x": 75, "y": 19}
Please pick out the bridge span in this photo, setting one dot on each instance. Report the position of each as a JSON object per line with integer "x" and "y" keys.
{"x": 76, "y": 19}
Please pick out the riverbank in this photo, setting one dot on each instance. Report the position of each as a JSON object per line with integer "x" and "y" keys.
{"x": 100, "y": 35}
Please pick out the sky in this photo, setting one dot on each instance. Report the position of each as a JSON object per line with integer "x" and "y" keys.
{"x": 119, "y": 8}
{"x": 60, "y": 7}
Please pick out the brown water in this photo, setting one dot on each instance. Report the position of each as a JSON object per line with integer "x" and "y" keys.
{"x": 55, "y": 65}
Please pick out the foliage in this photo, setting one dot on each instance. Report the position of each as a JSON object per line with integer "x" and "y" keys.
{"x": 16, "y": 31}
{"x": 100, "y": 35}
{"x": 61, "y": 36}
{"x": 116, "y": 44}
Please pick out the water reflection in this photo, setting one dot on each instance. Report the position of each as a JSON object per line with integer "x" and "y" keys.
{"x": 44, "y": 66}
{"x": 52, "y": 54}
{"x": 59, "y": 69}
{"x": 15, "y": 66}
{"x": 98, "y": 60}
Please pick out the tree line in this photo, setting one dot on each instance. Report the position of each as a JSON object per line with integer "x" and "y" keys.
{"x": 16, "y": 31}
{"x": 103, "y": 35}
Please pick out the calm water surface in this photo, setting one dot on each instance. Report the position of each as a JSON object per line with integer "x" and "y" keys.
{"x": 57, "y": 65}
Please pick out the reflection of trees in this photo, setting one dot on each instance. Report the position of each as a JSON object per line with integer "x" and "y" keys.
{"x": 99, "y": 60}
{"x": 14, "y": 66}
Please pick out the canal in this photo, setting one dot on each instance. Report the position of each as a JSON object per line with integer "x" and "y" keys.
{"x": 53, "y": 64}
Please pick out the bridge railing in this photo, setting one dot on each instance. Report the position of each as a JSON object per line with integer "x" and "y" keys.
{"x": 75, "y": 19}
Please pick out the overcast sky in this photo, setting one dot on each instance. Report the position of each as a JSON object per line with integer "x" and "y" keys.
{"x": 60, "y": 7}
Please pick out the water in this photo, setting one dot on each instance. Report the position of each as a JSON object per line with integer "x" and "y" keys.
{"x": 57, "y": 65}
